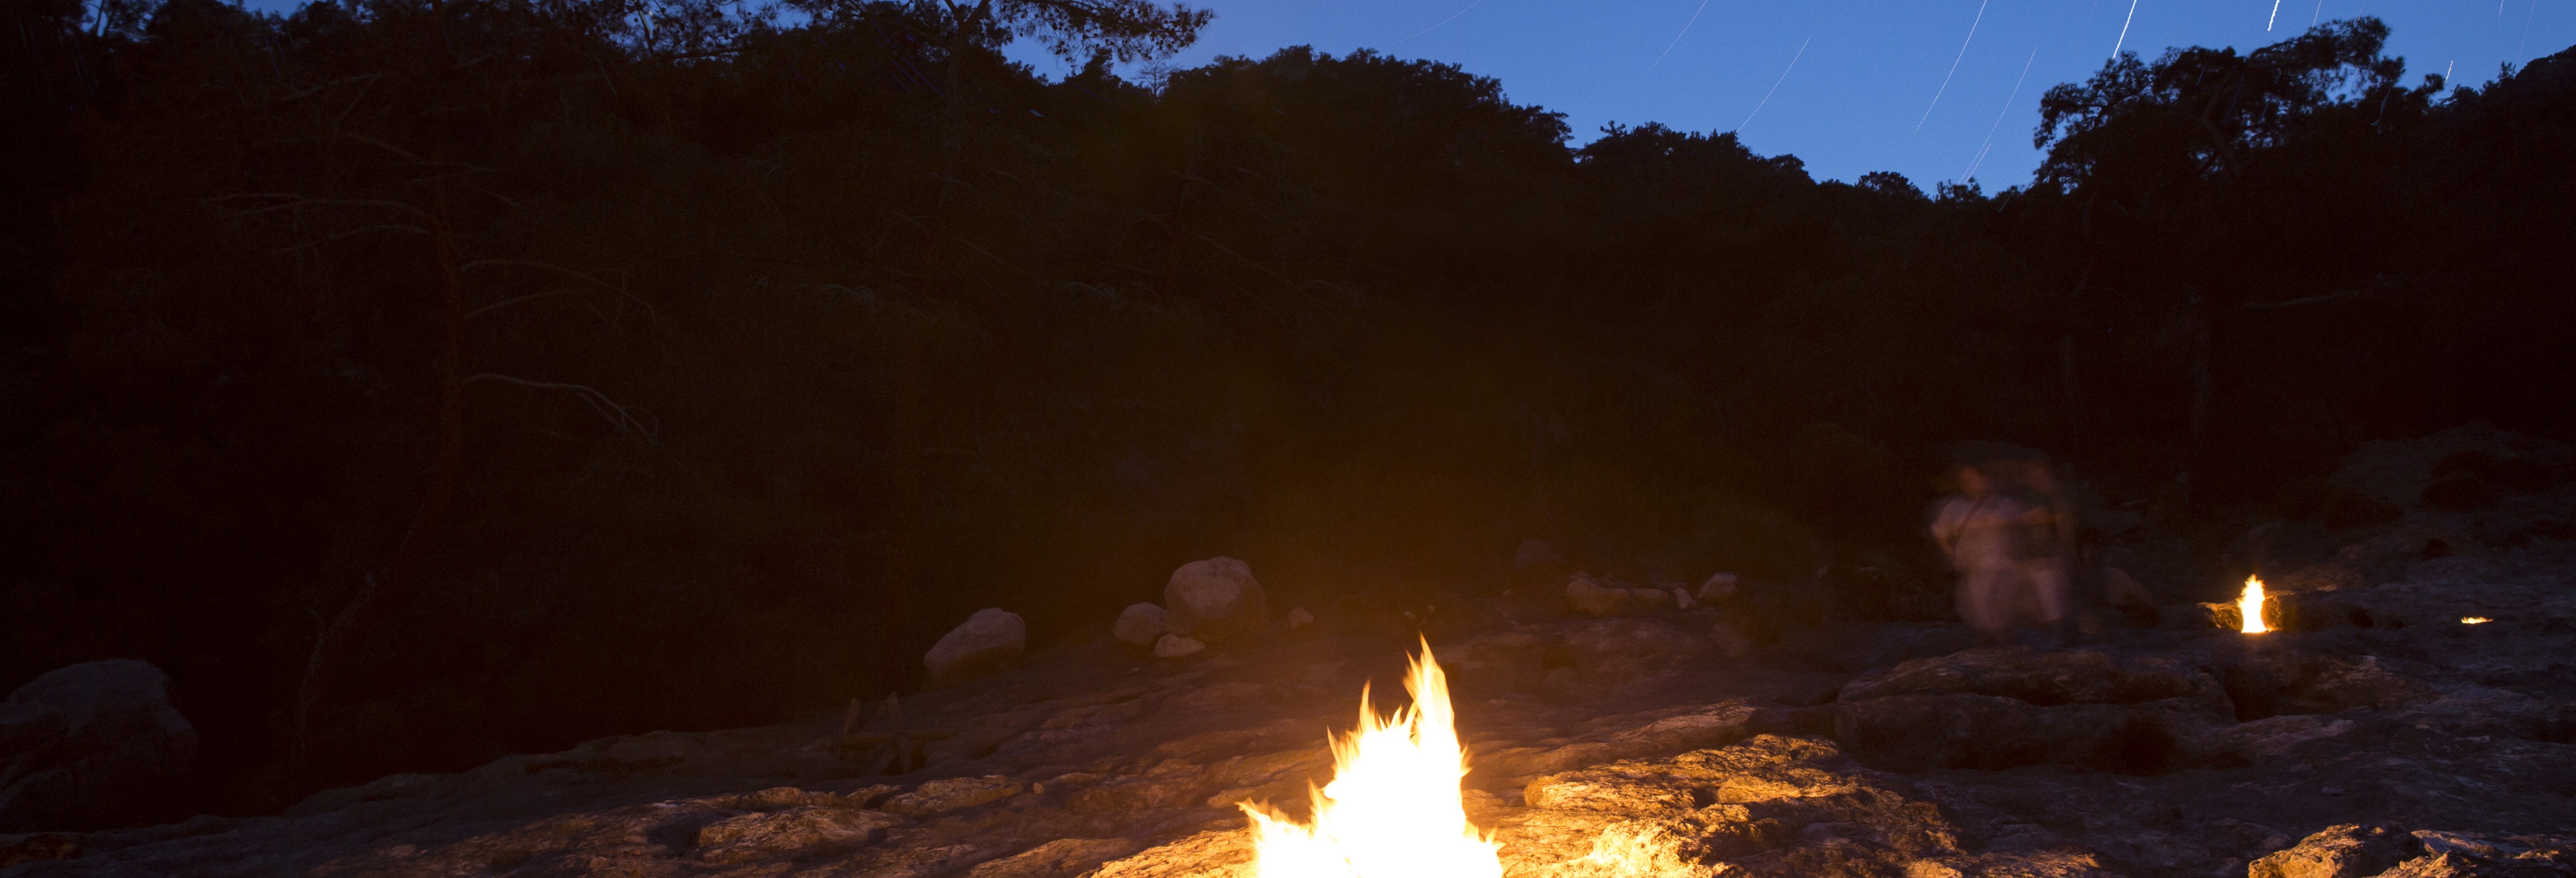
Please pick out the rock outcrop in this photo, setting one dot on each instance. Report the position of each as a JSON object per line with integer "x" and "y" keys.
{"x": 1138, "y": 625}
{"x": 88, "y": 744}
{"x": 1214, "y": 600}
{"x": 988, "y": 641}
{"x": 1589, "y": 597}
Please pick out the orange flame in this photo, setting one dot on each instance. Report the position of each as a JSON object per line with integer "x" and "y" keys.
{"x": 2249, "y": 607}
{"x": 1393, "y": 809}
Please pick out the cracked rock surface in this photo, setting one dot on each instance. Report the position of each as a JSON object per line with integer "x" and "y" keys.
{"x": 2378, "y": 736}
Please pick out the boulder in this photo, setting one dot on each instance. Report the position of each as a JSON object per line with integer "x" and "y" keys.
{"x": 1651, "y": 597}
{"x": 90, "y": 744}
{"x": 1535, "y": 553}
{"x": 1213, "y": 600}
{"x": 1921, "y": 732}
{"x": 1588, "y": 596}
{"x": 1176, "y": 646}
{"x": 1719, "y": 587}
{"x": 2007, "y": 707}
{"x": 1138, "y": 625}
{"x": 2350, "y": 850}
{"x": 2045, "y": 678}
{"x": 2272, "y": 684}
{"x": 989, "y": 640}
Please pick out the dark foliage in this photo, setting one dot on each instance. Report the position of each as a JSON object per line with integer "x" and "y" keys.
{"x": 423, "y": 381}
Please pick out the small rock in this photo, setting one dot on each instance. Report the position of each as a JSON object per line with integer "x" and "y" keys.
{"x": 1719, "y": 587}
{"x": 1682, "y": 599}
{"x": 1214, "y": 599}
{"x": 989, "y": 640}
{"x": 88, "y": 744}
{"x": 1589, "y": 597}
{"x": 1650, "y": 597}
{"x": 953, "y": 794}
{"x": 1299, "y": 618}
{"x": 1138, "y": 625}
{"x": 1176, "y": 646}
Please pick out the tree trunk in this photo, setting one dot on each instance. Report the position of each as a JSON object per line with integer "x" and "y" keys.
{"x": 2197, "y": 339}
{"x": 332, "y": 643}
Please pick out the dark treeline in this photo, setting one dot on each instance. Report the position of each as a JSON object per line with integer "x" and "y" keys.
{"x": 423, "y": 381}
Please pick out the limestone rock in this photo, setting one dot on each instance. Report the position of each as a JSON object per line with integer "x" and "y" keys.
{"x": 1961, "y": 730}
{"x": 989, "y": 640}
{"x": 1138, "y": 625}
{"x": 1682, "y": 599}
{"x": 1611, "y": 654}
{"x": 792, "y": 833}
{"x": 1061, "y": 858}
{"x": 1588, "y": 596}
{"x": 1176, "y": 646}
{"x": 1535, "y": 553}
{"x": 2470, "y": 855}
{"x": 2044, "y": 678}
{"x": 953, "y": 794}
{"x": 2266, "y": 738}
{"x": 1731, "y": 641}
{"x": 1651, "y": 597}
{"x": 1223, "y": 853}
{"x": 2350, "y": 850}
{"x": 88, "y": 744}
{"x": 1769, "y": 806}
{"x": 1718, "y": 587}
{"x": 1214, "y": 599}
{"x": 1711, "y": 725}
{"x": 2270, "y": 684}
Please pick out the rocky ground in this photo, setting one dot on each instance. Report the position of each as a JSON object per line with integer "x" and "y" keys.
{"x": 2379, "y": 734}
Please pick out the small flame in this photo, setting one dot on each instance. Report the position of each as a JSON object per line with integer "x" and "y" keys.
{"x": 2474, "y": 620}
{"x": 1394, "y": 809}
{"x": 2249, "y": 607}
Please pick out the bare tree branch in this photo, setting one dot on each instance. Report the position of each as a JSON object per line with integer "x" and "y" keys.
{"x": 621, "y": 418}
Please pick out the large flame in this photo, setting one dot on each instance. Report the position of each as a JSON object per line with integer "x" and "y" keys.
{"x": 1393, "y": 809}
{"x": 2249, "y": 606}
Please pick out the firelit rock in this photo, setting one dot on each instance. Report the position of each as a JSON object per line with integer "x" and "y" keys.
{"x": 1589, "y": 597}
{"x": 1299, "y": 618}
{"x": 1176, "y": 646}
{"x": 2347, "y": 851}
{"x": 1213, "y": 600}
{"x": 796, "y": 832}
{"x": 991, "y": 639}
{"x": 1138, "y": 625}
{"x": 90, "y": 744}
{"x": 1061, "y": 858}
{"x": 953, "y": 794}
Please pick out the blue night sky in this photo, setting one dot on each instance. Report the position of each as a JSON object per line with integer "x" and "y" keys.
{"x": 1869, "y": 72}
{"x": 1862, "y": 94}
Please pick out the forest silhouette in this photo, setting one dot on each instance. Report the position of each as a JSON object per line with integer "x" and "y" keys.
{"x": 419, "y": 381}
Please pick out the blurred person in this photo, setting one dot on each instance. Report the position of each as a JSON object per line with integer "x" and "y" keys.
{"x": 2007, "y": 534}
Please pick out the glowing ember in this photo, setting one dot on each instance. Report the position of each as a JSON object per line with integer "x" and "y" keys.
{"x": 2249, "y": 607}
{"x": 2474, "y": 620}
{"x": 1393, "y": 809}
